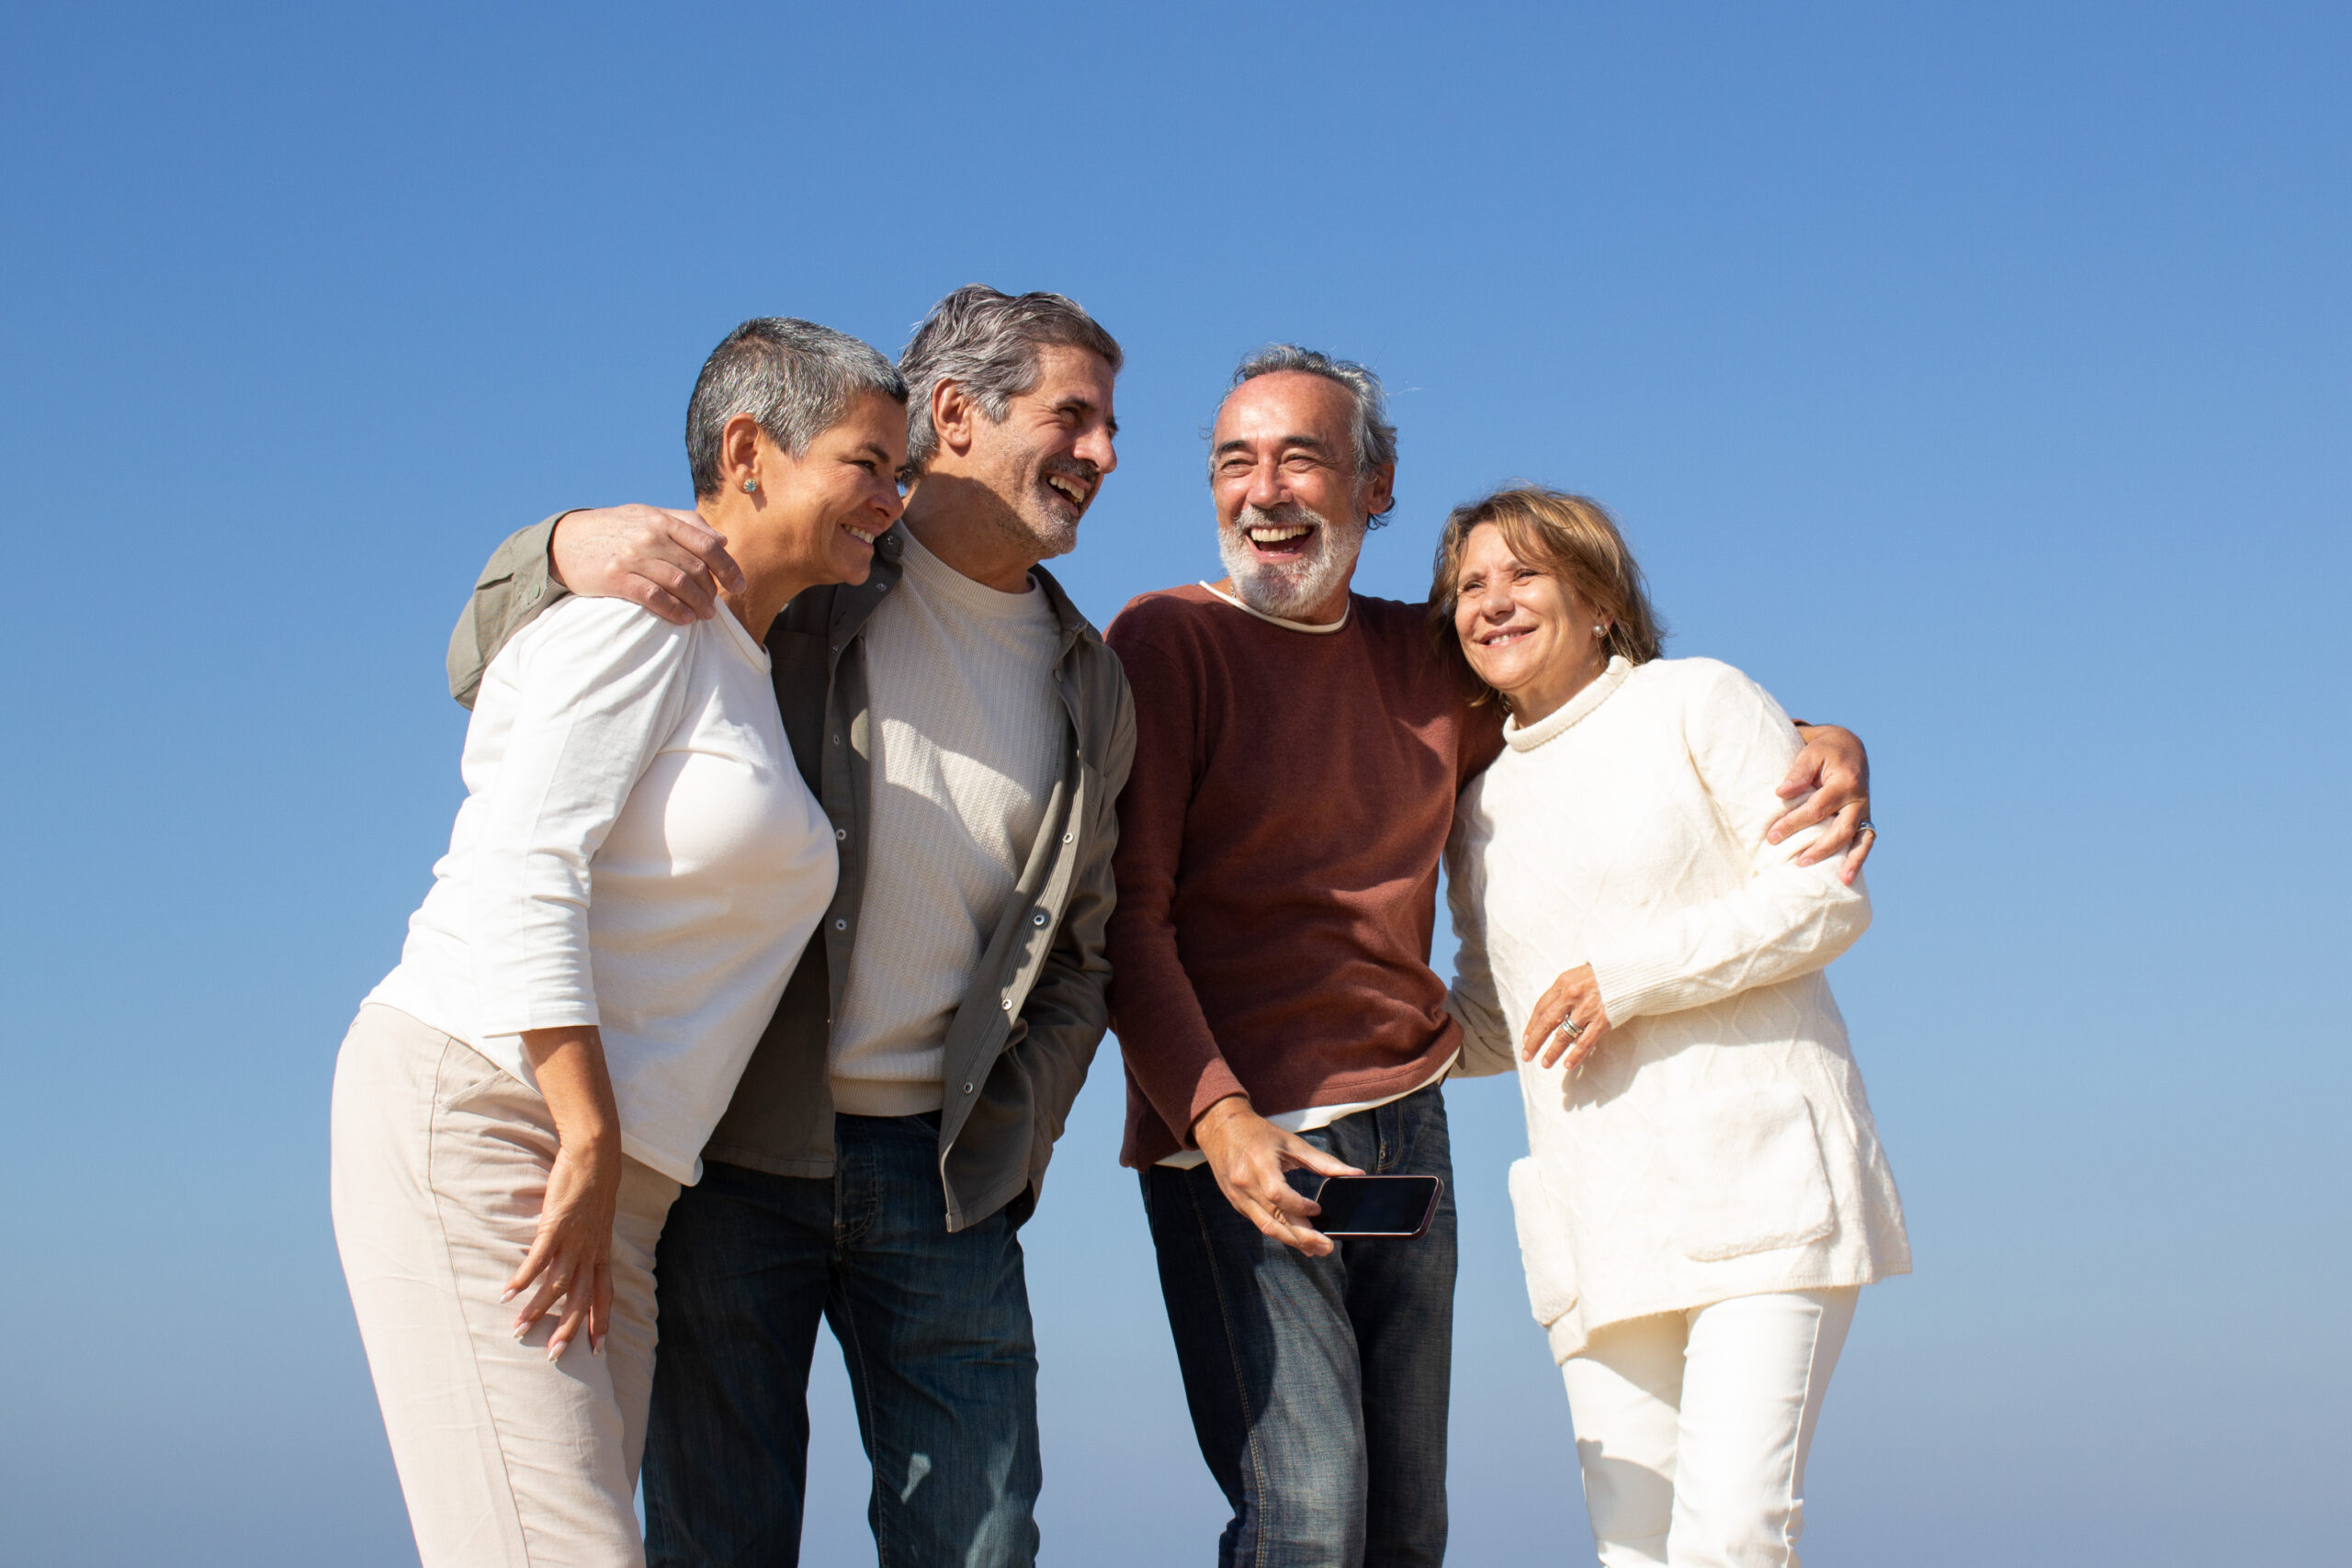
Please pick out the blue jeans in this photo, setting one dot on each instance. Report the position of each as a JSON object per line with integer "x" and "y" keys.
{"x": 1319, "y": 1385}
{"x": 934, "y": 1329}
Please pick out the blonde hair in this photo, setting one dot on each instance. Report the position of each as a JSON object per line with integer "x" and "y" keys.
{"x": 1575, "y": 536}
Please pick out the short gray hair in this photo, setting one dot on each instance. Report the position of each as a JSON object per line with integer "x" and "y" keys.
{"x": 1375, "y": 437}
{"x": 794, "y": 376}
{"x": 987, "y": 341}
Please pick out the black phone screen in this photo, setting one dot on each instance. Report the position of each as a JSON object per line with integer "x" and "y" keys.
{"x": 1375, "y": 1205}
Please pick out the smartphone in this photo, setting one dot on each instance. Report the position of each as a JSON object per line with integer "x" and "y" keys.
{"x": 1376, "y": 1205}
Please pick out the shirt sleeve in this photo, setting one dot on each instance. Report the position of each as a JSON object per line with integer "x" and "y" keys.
{"x": 1162, "y": 1031}
{"x": 515, "y": 586}
{"x": 597, "y": 692}
{"x": 1786, "y": 920}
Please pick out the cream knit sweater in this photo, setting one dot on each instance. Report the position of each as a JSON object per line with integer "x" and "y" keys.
{"x": 1718, "y": 1143}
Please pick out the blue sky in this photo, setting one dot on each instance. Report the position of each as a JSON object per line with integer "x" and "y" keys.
{"x": 1976, "y": 376}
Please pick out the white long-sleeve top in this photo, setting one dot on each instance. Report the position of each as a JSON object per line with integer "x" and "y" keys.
{"x": 1718, "y": 1143}
{"x": 636, "y": 850}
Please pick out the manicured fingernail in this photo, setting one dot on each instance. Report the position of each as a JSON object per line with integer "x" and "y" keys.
{"x": 521, "y": 1329}
{"x": 508, "y": 1294}
{"x": 599, "y": 1349}
{"x": 555, "y": 1349}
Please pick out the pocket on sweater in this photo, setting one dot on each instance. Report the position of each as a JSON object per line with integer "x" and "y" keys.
{"x": 1543, "y": 1244}
{"x": 1744, "y": 1173}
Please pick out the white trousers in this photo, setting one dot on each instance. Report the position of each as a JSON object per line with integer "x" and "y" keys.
{"x": 1692, "y": 1428}
{"x": 440, "y": 1164}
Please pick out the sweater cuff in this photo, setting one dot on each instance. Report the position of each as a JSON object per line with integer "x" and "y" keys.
{"x": 1216, "y": 1082}
{"x": 1634, "y": 985}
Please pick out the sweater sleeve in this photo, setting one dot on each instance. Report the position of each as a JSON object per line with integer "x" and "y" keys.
{"x": 1473, "y": 998}
{"x": 1163, "y": 1032}
{"x": 595, "y": 693}
{"x": 1786, "y": 920}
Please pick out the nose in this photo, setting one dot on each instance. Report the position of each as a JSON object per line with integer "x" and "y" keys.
{"x": 1494, "y": 599}
{"x": 888, "y": 500}
{"x": 1097, "y": 448}
{"x": 1265, "y": 486}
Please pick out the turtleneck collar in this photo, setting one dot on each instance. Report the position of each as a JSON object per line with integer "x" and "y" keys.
{"x": 1562, "y": 718}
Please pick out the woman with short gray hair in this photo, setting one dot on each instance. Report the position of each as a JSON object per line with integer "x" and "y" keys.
{"x": 632, "y": 876}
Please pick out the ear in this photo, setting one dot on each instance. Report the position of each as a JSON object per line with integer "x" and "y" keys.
{"x": 739, "y": 451}
{"x": 1380, "y": 490}
{"x": 953, "y": 412}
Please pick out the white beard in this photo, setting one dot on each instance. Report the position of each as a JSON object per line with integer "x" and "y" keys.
{"x": 1289, "y": 590}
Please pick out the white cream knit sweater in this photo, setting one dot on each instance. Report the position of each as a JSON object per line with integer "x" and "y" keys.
{"x": 1718, "y": 1143}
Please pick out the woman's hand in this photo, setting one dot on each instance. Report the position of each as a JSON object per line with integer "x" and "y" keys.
{"x": 1570, "y": 1016}
{"x": 571, "y": 1258}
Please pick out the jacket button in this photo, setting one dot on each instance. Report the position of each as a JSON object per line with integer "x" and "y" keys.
{"x": 1006, "y": 1004}
{"x": 884, "y": 589}
{"x": 841, "y": 833}
{"x": 1067, "y": 836}
{"x": 841, "y": 925}
{"x": 837, "y": 738}
{"x": 967, "y": 1088}
{"x": 1038, "y": 918}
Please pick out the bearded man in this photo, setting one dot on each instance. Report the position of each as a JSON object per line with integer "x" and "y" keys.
{"x": 1298, "y": 750}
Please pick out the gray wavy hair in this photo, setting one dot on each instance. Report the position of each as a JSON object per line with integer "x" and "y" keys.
{"x": 985, "y": 341}
{"x": 1375, "y": 437}
{"x": 794, "y": 376}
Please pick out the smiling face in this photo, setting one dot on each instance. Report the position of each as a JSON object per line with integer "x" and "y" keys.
{"x": 1046, "y": 460}
{"x": 1524, "y": 628}
{"x": 1290, "y": 506}
{"x": 823, "y": 510}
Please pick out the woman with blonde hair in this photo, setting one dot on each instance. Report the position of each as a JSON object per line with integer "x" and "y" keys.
{"x": 631, "y": 877}
{"x": 1704, "y": 1192}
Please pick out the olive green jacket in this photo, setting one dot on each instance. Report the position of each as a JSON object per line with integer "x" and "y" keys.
{"x": 1026, "y": 1032}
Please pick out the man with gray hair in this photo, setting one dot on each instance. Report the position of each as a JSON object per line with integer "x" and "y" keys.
{"x": 968, "y": 732}
{"x": 1298, "y": 752}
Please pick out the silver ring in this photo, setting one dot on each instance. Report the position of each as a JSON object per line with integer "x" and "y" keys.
{"x": 1864, "y": 826}
{"x": 1573, "y": 1030}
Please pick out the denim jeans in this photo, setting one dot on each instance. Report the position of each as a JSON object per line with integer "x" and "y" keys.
{"x": 1319, "y": 1385}
{"x": 934, "y": 1328}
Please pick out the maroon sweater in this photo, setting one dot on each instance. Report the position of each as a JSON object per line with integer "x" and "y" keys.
{"x": 1279, "y": 841}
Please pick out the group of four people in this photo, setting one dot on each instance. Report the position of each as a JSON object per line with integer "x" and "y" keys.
{"x": 813, "y": 838}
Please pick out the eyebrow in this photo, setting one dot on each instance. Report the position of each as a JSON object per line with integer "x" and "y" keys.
{"x": 874, "y": 450}
{"x": 1310, "y": 443}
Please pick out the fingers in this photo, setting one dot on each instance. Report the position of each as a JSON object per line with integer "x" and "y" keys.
{"x": 1314, "y": 1160}
{"x": 1551, "y": 1012}
{"x": 1834, "y": 837}
{"x": 1805, "y": 773}
{"x": 600, "y": 1307}
{"x": 709, "y": 545}
{"x": 575, "y": 1318}
{"x": 1283, "y": 1227}
{"x": 1820, "y": 808}
{"x": 1865, "y": 842}
{"x": 665, "y": 572}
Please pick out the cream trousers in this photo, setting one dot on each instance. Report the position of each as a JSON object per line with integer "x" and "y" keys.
{"x": 1692, "y": 1428}
{"x": 440, "y": 1163}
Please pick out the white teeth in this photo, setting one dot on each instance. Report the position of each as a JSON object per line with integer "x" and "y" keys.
{"x": 859, "y": 535}
{"x": 1067, "y": 487}
{"x": 1277, "y": 535}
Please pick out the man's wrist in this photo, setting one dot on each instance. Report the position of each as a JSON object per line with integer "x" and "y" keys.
{"x": 1218, "y": 1113}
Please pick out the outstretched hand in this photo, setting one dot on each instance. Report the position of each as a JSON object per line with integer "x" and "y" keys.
{"x": 672, "y": 563}
{"x": 1835, "y": 770}
{"x": 1251, "y": 1159}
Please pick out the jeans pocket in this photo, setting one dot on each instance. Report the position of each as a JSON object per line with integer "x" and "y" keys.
{"x": 1744, "y": 1173}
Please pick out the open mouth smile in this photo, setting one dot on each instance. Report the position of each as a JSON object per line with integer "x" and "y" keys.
{"x": 1070, "y": 488}
{"x": 1503, "y": 637}
{"x": 1279, "y": 541}
{"x": 864, "y": 536}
